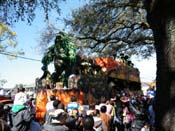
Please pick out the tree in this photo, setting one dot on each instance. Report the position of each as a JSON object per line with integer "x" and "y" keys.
{"x": 12, "y": 11}
{"x": 117, "y": 26}
{"x": 161, "y": 18}
{"x": 20, "y": 10}
{"x": 47, "y": 36}
{"x": 8, "y": 42}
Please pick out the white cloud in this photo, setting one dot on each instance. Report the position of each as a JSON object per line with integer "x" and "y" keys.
{"x": 147, "y": 68}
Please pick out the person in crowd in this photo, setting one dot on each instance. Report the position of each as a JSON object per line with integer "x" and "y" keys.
{"x": 21, "y": 119}
{"x": 55, "y": 107}
{"x": 151, "y": 112}
{"x": 73, "y": 80}
{"x": 20, "y": 114}
{"x": 126, "y": 117}
{"x": 4, "y": 126}
{"x": 111, "y": 111}
{"x": 99, "y": 124}
{"x": 2, "y": 110}
{"x": 109, "y": 107}
{"x": 72, "y": 105}
{"x": 102, "y": 102}
{"x": 57, "y": 121}
{"x": 20, "y": 97}
{"x": 74, "y": 120}
{"x": 49, "y": 104}
{"x": 104, "y": 116}
{"x": 137, "y": 107}
{"x": 118, "y": 118}
{"x": 146, "y": 127}
{"x": 35, "y": 126}
{"x": 88, "y": 123}
{"x": 31, "y": 105}
{"x": 7, "y": 115}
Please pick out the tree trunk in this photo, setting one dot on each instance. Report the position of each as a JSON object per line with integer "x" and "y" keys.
{"x": 161, "y": 17}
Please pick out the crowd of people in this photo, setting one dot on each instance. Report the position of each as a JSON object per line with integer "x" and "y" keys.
{"x": 127, "y": 111}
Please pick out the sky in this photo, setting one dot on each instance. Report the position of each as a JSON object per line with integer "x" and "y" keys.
{"x": 22, "y": 71}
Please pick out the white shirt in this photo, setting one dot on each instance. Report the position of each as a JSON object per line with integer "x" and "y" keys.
{"x": 49, "y": 105}
{"x": 20, "y": 98}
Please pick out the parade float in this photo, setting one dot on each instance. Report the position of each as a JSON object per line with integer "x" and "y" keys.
{"x": 103, "y": 76}
{"x": 87, "y": 78}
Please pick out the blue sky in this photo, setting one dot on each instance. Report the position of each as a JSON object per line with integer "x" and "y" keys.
{"x": 25, "y": 71}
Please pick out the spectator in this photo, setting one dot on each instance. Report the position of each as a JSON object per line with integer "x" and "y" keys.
{"x": 20, "y": 97}
{"x": 88, "y": 123}
{"x": 57, "y": 121}
{"x": 49, "y": 104}
{"x": 146, "y": 127}
{"x": 72, "y": 105}
{"x": 2, "y": 111}
{"x": 4, "y": 126}
{"x": 35, "y": 126}
{"x": 103, "y": 102}
{"x": 55, "y": 107}
{"x": 118, "y": 118}
{"x": 21, "y": 115}
{"x": 99, "y": 124}
{"x": 73, "y": 121}
{"x": 104, "y": 116}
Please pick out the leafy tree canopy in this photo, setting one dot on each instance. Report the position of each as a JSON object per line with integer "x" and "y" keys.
{"x": 11, "y": 11}
{"x": 8, "y": 42}
{"x": 113, "y": 26}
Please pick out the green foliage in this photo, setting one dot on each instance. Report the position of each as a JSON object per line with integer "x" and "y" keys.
{"x": 7, "y": 36}
{"x": 8, "y": 43}
{"x": 117, "y": 26}
{"x": 25, "y": 10}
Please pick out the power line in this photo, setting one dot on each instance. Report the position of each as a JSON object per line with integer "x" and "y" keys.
{"x": 27, "y": 58}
